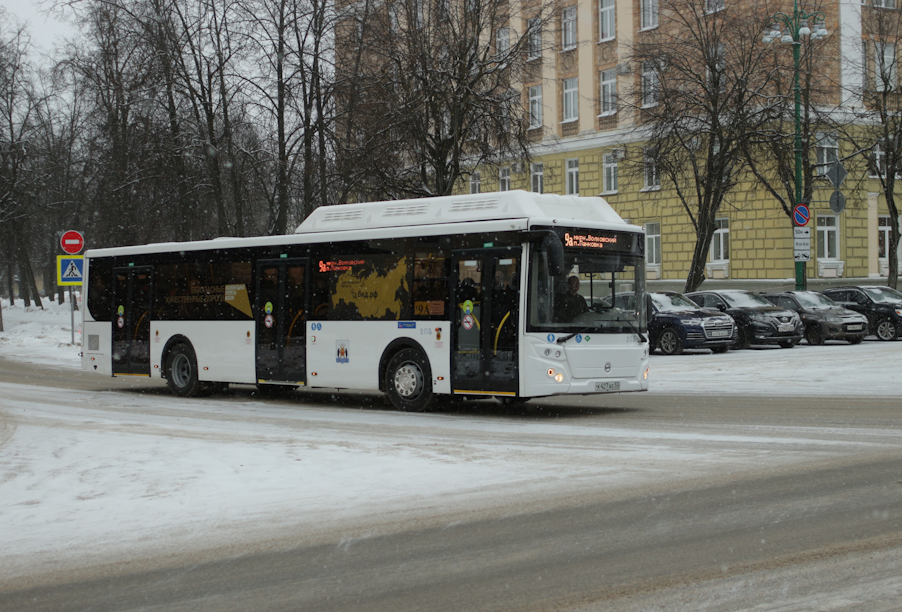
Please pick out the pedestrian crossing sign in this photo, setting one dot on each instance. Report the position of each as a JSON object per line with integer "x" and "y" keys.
{"x": 70, "y": 270}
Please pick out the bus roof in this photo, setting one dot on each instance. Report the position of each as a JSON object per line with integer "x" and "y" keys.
{"x": 486, "y": 212}
{"x": 461, "y": 208}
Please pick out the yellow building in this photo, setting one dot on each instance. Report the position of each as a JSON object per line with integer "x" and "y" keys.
{"x": 581, "y": 146}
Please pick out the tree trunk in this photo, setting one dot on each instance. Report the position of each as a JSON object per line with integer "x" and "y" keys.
{"x": 696, "y": 274}
{"x": 9, "y": 280}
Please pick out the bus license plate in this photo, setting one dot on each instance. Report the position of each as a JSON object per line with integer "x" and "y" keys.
{"x": 607, "y": 386}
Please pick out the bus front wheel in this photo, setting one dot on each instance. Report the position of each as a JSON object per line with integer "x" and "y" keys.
{"x": 181, "y": 372}
{"x": 408, "y": 381}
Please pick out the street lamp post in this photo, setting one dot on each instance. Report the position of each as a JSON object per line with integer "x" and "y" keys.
{"x": 794, "y": 29}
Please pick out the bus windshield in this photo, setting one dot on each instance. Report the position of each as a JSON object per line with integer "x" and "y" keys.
{"x": 597, "y": 292}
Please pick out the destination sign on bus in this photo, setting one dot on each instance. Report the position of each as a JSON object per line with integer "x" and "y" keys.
{"x": 588, "y": 240}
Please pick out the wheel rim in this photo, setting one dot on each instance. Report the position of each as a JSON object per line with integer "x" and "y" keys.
{"x": 886, "y": 330}
{"x": 668, "y": 342}
{"x": 408, "y": 380}
{"x": 814, "y": 336}
{"x": 181, "y": 370}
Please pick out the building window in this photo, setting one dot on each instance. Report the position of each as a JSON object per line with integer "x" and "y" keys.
{"x": 504, "y": 178}
{"x": 475, "y": 183}
{"x": 827, "y": 237}
{"x": 890, "y": 4}
{"x": 885, "y": 66}
{"x": 534, "y": 38}
{"x": 712, "y": 6}
{"x": 568, "y": 28}
{"x": 652, "y": 178}
{"x": 827, "y": 150}
{"x": 648, "y": 10}
{"x": 573, "y": 177}
{"x": 606, "y": 20}
{"x": 720, "y": 244}
{"x": 649, "y": 84}
{"x": 608, "y": 95}
{"x": 537, "y": 176}
{"x": 653, "y": 244}
{"x": 571, "y": 99}
{"x": 883, "y": 234}
{"x": 502, "y": 42}
{"x": 877, "y": 165}
{"x": 535, "y": 106}
{"x": 609, "y": 166}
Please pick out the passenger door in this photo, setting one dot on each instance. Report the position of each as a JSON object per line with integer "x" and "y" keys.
{"x": 486, "y": 304}
{"x": 132, "y": 313}
{"x": 281, "y": 320}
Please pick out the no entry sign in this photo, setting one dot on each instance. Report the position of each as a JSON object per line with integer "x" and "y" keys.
{"x": 72, "y": 242}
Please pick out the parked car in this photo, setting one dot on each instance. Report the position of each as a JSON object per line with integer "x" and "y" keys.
{"x": 822, "y": 318}
{"x": 881, "y": 305}
{"x": 757, "y": 320}
{"x": 676, "y": 323}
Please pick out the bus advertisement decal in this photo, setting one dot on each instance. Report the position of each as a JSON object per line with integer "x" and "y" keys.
{"x": 407, "y": 324}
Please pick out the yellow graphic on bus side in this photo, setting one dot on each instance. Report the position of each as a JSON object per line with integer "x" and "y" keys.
{"x": 236, "y": 297}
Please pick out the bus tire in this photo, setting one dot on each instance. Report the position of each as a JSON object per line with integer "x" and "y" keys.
{"x": 408, "y": 381}
{"x": 181, "y": 372}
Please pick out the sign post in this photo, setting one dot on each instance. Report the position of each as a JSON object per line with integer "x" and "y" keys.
{"x": 800, "y": 217}
{"x": 70, "y": 269}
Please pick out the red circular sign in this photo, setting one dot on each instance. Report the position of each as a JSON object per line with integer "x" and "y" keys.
{"x": 72, "y": 242}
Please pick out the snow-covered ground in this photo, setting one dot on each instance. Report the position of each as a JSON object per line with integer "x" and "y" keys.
{"x": 90, "y": 475}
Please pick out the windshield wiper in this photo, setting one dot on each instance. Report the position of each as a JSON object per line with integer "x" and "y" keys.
{"x": 632, "y": 327}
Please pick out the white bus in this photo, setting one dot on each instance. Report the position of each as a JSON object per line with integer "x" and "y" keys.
{"x": 510, "y": 295}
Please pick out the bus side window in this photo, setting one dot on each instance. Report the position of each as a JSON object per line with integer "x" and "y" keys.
{"x": 430, "y": 286}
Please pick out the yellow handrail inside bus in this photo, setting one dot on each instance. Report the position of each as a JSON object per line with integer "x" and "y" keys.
{"x": 291, "y": 327}
{"x": 498, "y": 333}
{"x": 139, "y": 324}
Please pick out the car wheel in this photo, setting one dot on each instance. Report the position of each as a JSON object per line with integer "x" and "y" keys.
{"x": 814, "y": 335}
{"x": 408, "y": 381}
{"x": 788, "y": 343}
{"x": 181, "y": 372}
{"x": 742, "y": 340}
{"x": 720, "y": 349}
{"x": 669, "y": 342}
{"x": 886, "y": 330}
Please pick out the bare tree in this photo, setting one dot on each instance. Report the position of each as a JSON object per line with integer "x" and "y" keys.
{"x": 429, "y": 92}
{"x": 876, "y": 128}
{"x": 702, "y": 90}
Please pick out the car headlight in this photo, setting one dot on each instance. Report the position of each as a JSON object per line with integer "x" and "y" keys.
{"x": 694, "y": 322}
{"x": 836, "y": 320}
{"x": 899, "y": 311}
{"x": 760, "y": 318}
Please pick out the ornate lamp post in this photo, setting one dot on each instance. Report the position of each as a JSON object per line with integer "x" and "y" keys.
{"x": 792, "y": 29}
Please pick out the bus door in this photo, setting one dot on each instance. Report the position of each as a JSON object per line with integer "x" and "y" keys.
{"x": 132, "y": 302}
{"x": 281, "y": 315}
{"x": 486, "y": 302}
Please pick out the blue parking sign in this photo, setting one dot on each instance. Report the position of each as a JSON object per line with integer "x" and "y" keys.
{"x": 70, "y": 270}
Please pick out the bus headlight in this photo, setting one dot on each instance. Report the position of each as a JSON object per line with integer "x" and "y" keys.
{"x": 551, "y": 372}
{"x": 645, "y": 375}
{"x": 559, "y": 377}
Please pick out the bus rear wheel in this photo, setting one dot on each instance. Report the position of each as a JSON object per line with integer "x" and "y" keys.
{"x": 181, "y": 372}
{"x": 408, "y": 381}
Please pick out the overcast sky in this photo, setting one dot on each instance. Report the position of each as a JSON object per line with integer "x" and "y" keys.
{"x": 44, "y": 30}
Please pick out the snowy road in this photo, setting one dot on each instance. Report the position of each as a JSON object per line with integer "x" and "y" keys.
{"x": 748, "y": 476}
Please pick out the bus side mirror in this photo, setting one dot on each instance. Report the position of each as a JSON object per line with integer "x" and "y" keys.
{"x": 552, "y": 245}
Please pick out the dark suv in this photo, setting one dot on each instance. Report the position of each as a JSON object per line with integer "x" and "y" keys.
{"x": 881, "y": 305}
{"x": 822, "y": 318}
{"x": 757, "y": 320}
{"x": 675, "y": 323}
